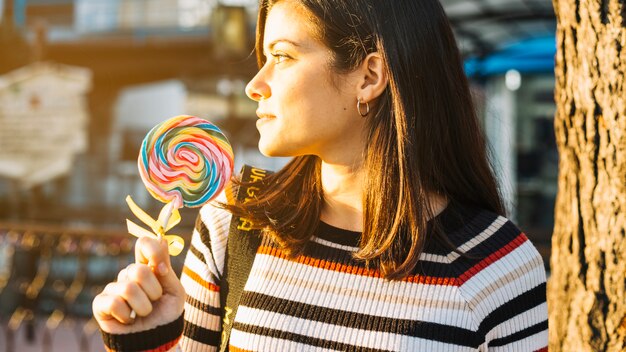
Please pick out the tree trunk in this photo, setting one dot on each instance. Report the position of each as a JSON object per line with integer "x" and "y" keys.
{"x": 586, "y": 291}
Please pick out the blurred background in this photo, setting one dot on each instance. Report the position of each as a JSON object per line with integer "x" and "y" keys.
{"x": 82, "y": 81}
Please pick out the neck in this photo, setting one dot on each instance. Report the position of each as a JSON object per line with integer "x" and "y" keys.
{"x": 343, "y": 187}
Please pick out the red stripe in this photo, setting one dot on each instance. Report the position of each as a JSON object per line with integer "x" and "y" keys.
{"x": 355, "y": 270}
{"x": 508, "y": 248}
{"x": 545, "y": 349}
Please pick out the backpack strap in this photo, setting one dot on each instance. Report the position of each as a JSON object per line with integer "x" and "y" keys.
{"x": 243, "y": 242}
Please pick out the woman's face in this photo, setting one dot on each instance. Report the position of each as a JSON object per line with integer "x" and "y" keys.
{"x": 304, "y": 106}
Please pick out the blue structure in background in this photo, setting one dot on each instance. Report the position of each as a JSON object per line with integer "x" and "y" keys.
{"x": 534, "y": 55}
{"x": 19, "y": 12}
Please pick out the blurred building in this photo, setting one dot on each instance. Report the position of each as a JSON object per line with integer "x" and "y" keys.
{"x": 142, "y": 61}
{"x": 62, "y": 235}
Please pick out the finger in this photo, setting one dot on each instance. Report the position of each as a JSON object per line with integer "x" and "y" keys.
{"x": 122, "y": 276}
{"x": 134, "y": 296}
{"x": 106, "y": 307}
{"x": 145, "y": 277}
{"x": 153, "y": 252}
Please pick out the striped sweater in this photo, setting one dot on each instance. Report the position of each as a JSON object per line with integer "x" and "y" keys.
{"x": 494, "y": 299}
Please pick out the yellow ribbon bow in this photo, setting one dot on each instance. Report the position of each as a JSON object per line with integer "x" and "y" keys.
{"x": 168, "y": 218}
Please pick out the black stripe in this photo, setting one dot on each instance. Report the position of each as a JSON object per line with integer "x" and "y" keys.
{"x": 499, "y": 239}
{"x": 473, "y": 223}
{"x": 455, "y": 221}
{"x": 518, "y": 305}
{"x": 203, "y": 231}
{"x": 144, "y": 340}
{"x": 303, "y": 339}
{"x": 529, "y": 331}
{"x": 496, "y": 241}
{"x": 320, "y": 251}
{"x": 203, "y": 307}
{"x": 197, "y": 253}
{"x": 416, "y": 328}
{"x": 337, "y": 235}
{"x": 503, "y": 236}
{"x": 200, "y": 334}
{"x": 461, "y": 223}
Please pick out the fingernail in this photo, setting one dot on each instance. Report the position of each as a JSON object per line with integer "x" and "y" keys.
{"x": 162, "y": 269}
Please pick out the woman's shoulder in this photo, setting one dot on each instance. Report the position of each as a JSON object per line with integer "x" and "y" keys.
{"x": 479, "y": 230}
{"x": 481, "y": 240}
{"x": 499, "y": 274}
{"x": 491, "y": 251}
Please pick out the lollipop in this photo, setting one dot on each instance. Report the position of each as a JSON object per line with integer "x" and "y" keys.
{"x": 184, "y": 161}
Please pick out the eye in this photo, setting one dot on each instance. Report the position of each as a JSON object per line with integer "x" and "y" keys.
{"x": 280, "y": 57}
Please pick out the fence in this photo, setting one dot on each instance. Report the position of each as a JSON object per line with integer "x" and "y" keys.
{"x": 48, "y": 279}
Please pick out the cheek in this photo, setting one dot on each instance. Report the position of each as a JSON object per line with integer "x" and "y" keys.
{"x": 305, "y": 102}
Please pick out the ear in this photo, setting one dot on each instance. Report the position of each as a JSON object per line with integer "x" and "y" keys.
{"x": 372, "y": 77}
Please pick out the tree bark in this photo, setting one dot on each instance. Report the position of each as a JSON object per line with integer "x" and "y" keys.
{"x": 586, "y": 291}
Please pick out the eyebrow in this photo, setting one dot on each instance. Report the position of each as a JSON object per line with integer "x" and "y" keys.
{"x": 275, "y": 42}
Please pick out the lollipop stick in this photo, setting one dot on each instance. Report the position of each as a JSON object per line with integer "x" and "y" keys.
{"x": 165, "y": 215}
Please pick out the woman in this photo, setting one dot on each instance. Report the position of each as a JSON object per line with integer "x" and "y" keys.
{"x": 385, "y": 232}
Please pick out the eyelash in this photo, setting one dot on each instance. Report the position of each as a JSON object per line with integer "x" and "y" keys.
{"x": 280, "y": 57}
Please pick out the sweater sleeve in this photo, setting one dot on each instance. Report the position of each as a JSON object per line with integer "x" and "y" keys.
{"x": 506, "y": 290}
{"x": 199, "y": 328}
{"x": 201, "y": 276}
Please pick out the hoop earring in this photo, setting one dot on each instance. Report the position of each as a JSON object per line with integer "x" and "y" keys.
{"x": 358, "y": 107}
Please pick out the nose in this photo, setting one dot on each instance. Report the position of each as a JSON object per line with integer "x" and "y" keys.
{"x": 257, "y": 89}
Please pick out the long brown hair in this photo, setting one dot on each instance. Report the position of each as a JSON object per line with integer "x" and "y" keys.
{"x": 423, "y": 139}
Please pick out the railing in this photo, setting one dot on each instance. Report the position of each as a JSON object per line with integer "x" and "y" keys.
{"x": 48, "y": 279}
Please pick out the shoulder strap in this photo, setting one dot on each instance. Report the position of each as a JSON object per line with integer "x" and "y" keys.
{"x": 241, "y": 249}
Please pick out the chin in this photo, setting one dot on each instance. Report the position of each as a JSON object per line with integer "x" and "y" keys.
{"x": 268, "y": 150}
{"x": 273, "y": 151}
{"x": 267, "y": 153}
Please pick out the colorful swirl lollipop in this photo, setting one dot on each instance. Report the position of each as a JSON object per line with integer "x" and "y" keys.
{"x": 185, "y": 160}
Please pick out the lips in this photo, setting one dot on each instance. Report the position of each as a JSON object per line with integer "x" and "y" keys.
{"x": 263, "y": 115}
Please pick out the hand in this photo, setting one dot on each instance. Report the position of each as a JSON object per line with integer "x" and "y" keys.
{"x": 149, "y": 286}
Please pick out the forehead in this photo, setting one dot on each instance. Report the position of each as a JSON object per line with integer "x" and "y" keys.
{"x": 291, "y": 21}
